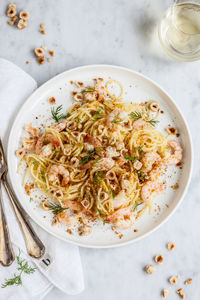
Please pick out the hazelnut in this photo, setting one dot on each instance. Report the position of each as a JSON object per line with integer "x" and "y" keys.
{"x": 171, "y": 246}
{"x": 154, "y": 106}
{"x": 39, "y": 52}
{"x": 12, "y": 5}
{"x": 165, "y": 293}
{"x": 24, "y": 15}
{"x": 78, "y": 97}
{"x": 41, "y": 60}
{"x": 20, "y": 153}
{"x": 159, "y": 259}
{"x": 11, "y": 12}
{"x": 52, "y": 100}
{"x": 188, "y": 281}
{"x": 173, "y": 280}
{"x": 79, "y": 84}
{"x": 150, "y": 269}
{"x": 51, "y": 52}
{"x": 43, "y": 31}
{"x": 171, "y": 130}
{"x": 22, "y": 24}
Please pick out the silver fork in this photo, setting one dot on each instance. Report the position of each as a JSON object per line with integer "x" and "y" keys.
{"x": 6, "y": 250}
{"x": 34, "y": 245}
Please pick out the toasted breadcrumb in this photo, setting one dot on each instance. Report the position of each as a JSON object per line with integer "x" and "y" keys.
{"x": 171, "y": 246}
{"x": 159, "y": 259}
{"x": 165, "y": 292}
{"x": 150, "y": 269}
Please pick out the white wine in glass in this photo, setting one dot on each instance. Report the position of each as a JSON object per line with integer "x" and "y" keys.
{"x": 179, "y": 30}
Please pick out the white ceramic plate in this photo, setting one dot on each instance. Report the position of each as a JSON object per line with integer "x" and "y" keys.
{"x": 138, "y": 88}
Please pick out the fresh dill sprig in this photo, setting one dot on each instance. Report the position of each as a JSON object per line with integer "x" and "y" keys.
{"x": 99, "y": 211}
{"x": 31, "y": 199}
{"x": 88, "y": 89}
{"x": 136, "y": 204}
{"x": 87, "y": 158}
{"x": 97, "y": 115}
{"x": 135, "y": 115}
{"x": 140, "y": 149}
{"x": 23, "y": 267}
{"x": 56, "y": 208}
{"x": 153, "y": 122}
{"x": 57, "y": 116}
{"x": 133, "y": 159}
{"x": 116, "y": 120}
{"x": 112, "y": 194}
{"x": 43, "y": 175}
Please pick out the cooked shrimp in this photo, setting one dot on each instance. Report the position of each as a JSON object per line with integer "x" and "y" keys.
{"x": 67, "y": 217}
{"x": 100, "y": 90}
{"x": 87, "y": 165}
{"x": 106, "y": 163}
{"x": 117, "y": 113}
{"x": 55, "y": 171}
{"x": 73, "y": 205}
{"x": 29, "y": 144}
{"x": 177, "y": 151}
{"x": 150, "y": 188}
{"x": 123, "y": 218}
{"x": 47, "y": 150}
{"x": 46, "y": 138}
{"x": 92, "y": 140}
{"x": 141, "y": 124}
{"x": 32, "y": 130}
{"x": 120, "y": 199}
{"x": 149, "y": 159}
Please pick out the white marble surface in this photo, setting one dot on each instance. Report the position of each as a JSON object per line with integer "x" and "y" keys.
{"x": 120, "y": 32}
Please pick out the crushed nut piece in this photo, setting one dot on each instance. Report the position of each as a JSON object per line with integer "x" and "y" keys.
{"x": 11, "y": 23}
{"x": 52, "y": 100}
{"x": 20, "y": 153}
{"x": 55, "y": 221}
{"x": 188, "y": 281}
{"x": 22, "y": 24}
{"x": 11, "y": 12}
{"x": 120, "y": 235}
{"x": 44, "y": 48}
{"x": 69, "y": 231}
{"x": 41, "y": 59}
{"x": 150, "y": 269}
{"x": 171, "y": 246}
{"x": 171, "y": 130}
{"x": 74, "y": 93}
{"x": 84, "y": 230}
{"x": 15, "y": 18}
{"x": 154, "y": 106}
{"x": 175, "y": 186}
{"x": 12, "y": 5}
{"x": 173, "y": 280}
{"x": 79, "y": 84}
{"x": 181, "y": 293}
{"x": 27, "y": 62}
{"x": 78, "y": 97}
{"x": 159, "y": 259}
{"x": 24, "y": 15}
{"x": 48, "y": 59}
{"x": 42, "y": 26}
{"x": 51, "y": 52}
{"x": 135, "y": 230}
{"x": 43, "y": 31}
{"x": 39, "y": 51}
{"x": 165, "y": 293}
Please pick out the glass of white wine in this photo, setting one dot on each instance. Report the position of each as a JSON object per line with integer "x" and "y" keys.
{"x": 179, "y": 30}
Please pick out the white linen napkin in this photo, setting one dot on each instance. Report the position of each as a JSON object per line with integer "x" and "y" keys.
{"x": 66, "y": 271}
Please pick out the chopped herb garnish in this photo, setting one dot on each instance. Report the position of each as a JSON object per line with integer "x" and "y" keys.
{"x": 105, "y": 221}
{"x": 56, "y": 208}
{"x": 133, "y": 159}
{"x": 153, "y": 122}
{"x": 43, "y": 175}
{"x": 97, "y": 180}
{"x": 116, "y": 120}
{"x": 31, "y": 199}
{"x": 79, "y": 120}
{"x": 57, "y": 116}
{"x": 135, "y": 115}
{"x": 87, "y": 158}
{"x": 99, "y": 211}
{"x": 136, "y": 204}
{"x": 112, "y": 194}
{"x": 96, "y": 115}
{"x": 35, "y": 163}
{"x": 88, "y": 89}
{"x": 141, "y": 176}
{"x": 23, "y": 267}
{"x": 140, "y": 150}
{"x": 96, "y": 161}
